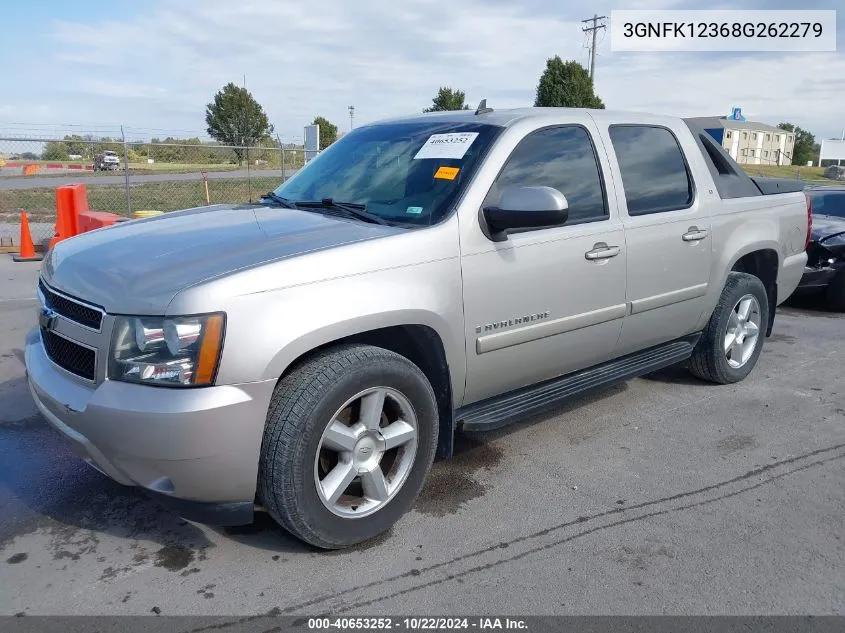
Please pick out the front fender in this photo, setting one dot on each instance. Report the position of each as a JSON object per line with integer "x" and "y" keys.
{"x": 268, "y": 331}
{"x": 312, "y": 338}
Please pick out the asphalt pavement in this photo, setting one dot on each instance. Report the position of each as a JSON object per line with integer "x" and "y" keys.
{"x": 40, "y": 182}
{"x": 663, "y": 495}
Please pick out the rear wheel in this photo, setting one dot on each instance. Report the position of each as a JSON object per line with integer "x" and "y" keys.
{"x": 733, "y": 339}
{"x": 835, "y": 293}
{"x": 350, "y": 438}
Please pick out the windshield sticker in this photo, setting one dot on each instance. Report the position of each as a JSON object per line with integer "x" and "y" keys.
{"x": 451, "y": 145}
{"x": 414, "y": 210}
{"x": 447, "y": 173}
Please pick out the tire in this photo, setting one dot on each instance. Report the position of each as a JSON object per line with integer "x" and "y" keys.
{"x": 835, "y": 293}
{"x": 295, "y": 457}
{"x": 710, "y": 360}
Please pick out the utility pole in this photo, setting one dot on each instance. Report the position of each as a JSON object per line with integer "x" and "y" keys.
{"x": 594, "y": 29}
{"x": 351, "y": 116}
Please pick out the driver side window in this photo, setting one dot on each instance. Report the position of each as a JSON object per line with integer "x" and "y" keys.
{"x": 561, "y": 157}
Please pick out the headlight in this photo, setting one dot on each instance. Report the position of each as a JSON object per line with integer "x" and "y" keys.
{"x": 173, "y": 352}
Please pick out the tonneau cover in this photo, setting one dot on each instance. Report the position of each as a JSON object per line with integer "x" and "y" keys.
{"x": 771, "y": 186}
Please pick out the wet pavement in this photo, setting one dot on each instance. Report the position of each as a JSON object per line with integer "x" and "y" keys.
{"x": 660, "y": 495}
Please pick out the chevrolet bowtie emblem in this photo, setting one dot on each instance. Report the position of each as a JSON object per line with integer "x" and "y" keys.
{"x": 47, "y": 318}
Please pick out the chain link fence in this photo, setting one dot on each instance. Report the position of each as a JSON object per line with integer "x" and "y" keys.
{"x": 125, "y": 177}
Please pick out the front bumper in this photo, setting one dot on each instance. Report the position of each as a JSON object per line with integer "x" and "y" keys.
{"x": 196, "y": 450}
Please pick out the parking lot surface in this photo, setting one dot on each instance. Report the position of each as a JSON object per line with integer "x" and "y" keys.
{"x": 660, "y": 495}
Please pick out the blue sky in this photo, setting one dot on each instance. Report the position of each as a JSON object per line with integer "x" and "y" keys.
{"x": 153, "y": 65}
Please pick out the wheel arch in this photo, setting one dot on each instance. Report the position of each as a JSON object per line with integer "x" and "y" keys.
{"x": 419, "y": 342}
{"x": 763, "y": 263}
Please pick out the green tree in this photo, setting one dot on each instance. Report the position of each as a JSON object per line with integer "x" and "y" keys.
{"x": 447, "y": 99}
{"x": 78, "y": 145}
{"x": 236, "y": 118}
{"x": 805, "y": 148}
{"x": 566, "y": 85}
{"x": 328, "y": 131}
{"x": 55, "y": 150}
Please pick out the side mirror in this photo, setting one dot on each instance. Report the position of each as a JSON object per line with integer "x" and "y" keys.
{"x": 525, "y": 208}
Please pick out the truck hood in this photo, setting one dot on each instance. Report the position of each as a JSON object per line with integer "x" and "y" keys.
{"x": 138, "y": 267}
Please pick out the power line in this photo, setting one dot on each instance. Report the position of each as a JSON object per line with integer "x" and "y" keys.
{"x": 586, "y": 48}
{"x": 593, "y": 30}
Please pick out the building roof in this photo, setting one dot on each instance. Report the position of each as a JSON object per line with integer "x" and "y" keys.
{"x": 724, "y": 122}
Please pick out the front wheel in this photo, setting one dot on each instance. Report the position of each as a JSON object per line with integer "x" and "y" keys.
{"x": 733, "y": 339}
{"x": 350, "y": 438}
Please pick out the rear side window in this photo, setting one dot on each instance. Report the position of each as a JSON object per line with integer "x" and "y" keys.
{"x": 654, "y": 173}
{"x": 829, "y": 203}
{"x": 560, "y": 157}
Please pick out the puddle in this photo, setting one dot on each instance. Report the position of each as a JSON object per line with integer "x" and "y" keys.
{"x": 451, "y": 483}
{"x": 782, "y": 338}
{"x": 174, "y": 558}
{"x": 735, "y": 443}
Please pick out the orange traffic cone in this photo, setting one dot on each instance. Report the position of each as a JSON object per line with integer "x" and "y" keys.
{"x": 64, "y": 208}
{"x": 27, "y": 253}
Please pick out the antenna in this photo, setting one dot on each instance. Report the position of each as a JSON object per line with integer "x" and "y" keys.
{"x": 482, "y": 107}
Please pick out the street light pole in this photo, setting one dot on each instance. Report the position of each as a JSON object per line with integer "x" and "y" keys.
{"x": 351, "y": 116}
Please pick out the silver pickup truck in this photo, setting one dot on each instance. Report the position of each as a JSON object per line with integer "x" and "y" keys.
{"x": 313, "y": 353}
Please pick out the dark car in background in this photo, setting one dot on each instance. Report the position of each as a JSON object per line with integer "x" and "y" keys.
{"x": 825, "y": 269}
{"x": 835, "y": 172}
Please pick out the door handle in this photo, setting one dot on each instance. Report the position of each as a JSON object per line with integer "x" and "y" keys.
{"x": 602, "y": 251}
{"x": 694, "y": 234}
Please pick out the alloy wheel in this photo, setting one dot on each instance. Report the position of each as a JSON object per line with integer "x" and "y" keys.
{"x": 366, "y": 452}
{"x": 743, "y": 331}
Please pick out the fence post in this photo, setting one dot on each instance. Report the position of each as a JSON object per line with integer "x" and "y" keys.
{"x": 282, "y": 152}
{"x": 126, "y": 173}
{"x": 248, "y": 175}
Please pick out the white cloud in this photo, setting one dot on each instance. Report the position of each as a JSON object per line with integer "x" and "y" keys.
{"x": 159, "y": 68}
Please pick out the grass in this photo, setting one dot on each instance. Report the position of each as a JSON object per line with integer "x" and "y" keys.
{"x": 40, "y": 204}
{"x": 785, "y": 171}
{"x": 158, "y": 168}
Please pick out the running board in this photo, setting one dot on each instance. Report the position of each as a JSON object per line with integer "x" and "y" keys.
{"x": 513, "y": 406}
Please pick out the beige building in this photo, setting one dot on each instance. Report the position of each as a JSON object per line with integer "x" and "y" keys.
{"x": 750, "y": 143}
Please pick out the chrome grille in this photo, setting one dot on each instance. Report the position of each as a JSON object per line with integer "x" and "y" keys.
{"x": 71, "y": 309}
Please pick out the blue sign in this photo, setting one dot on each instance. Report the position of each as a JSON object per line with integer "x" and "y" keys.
{"x": 716, "y": 133}
{"x": 736, "y": 115}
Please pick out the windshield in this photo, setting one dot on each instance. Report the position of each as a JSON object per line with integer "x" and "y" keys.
{"x": 829, "y": 203}
{"x": 408, "y": 173}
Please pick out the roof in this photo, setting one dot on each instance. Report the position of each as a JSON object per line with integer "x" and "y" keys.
{"x": 506, "y": 117}
{"x": 724, "y": 122}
